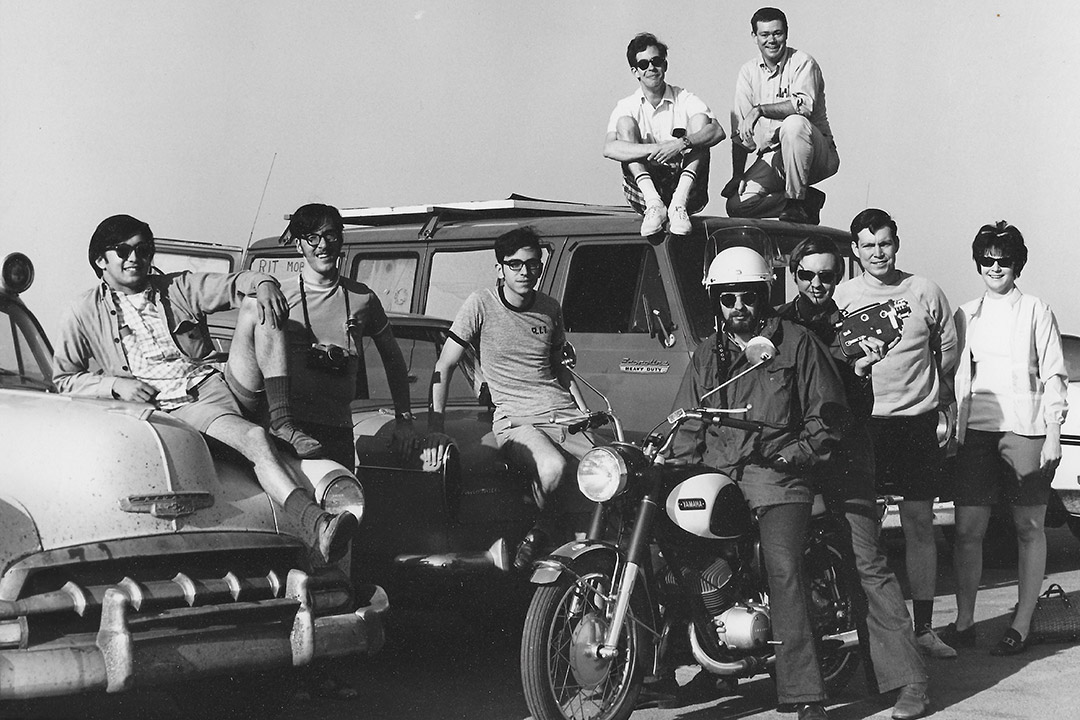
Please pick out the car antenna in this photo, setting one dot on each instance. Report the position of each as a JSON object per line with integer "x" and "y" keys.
{"x": 259, "y": 209}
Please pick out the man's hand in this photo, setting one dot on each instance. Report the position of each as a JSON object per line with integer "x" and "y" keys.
{"x": 134, "y": 390}
{"x": 273, "y": 307}
{"x": 746, "y": 127}
{"x": 433, "y": 450}
{"x": 735, "y": 187}
{"x": 667, "y": 153}
{"x": 1050, "y": 456}
{"x": 404, "y": 440}
{"x": 873, "y": 351}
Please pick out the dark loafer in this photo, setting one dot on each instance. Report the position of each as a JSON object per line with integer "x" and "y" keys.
{"x": 333, "y": 535}
{"x": 958, "y": 638}
{"x": 812, "y": 711}
{"x": 1010, "y": 644}
{"x": 305, "y": 446}
{"x": 911, "y": 703}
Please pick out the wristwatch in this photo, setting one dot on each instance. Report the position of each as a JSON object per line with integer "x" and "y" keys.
{"x": 403, "y": 418}
{"x": 686, "y": 142}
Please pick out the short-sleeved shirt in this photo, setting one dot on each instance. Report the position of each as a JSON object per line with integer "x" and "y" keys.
{"x": 319, "y": 396}
{"x": 518, "y": 348}
{"x": 656, "y": 124}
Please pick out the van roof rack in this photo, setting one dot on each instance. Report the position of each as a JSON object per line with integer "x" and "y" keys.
{"x": 513, "y": 206}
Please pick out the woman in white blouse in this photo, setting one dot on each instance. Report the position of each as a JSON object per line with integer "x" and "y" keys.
{"x": 1011, "y": 387}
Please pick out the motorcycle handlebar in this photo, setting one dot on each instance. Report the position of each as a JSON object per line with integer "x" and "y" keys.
{"x": 715, "y": 417}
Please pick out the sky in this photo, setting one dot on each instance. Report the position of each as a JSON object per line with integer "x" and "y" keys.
{"x": 948, "y": 115}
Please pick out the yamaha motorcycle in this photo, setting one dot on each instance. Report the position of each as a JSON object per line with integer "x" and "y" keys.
{"x": 670, "y": 573}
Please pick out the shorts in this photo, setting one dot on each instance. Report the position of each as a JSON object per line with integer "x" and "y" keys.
{"x": 907, "y": 456}
{"x": 213, "y": 400}
{"x": 252, "y": 402}
{"x": 536, "y": 435}
{"x": 995, "y": 467}
{"x": 665, "y": 179}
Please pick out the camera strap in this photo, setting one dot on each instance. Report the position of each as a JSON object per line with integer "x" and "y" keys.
{"x": 307, "y": 317}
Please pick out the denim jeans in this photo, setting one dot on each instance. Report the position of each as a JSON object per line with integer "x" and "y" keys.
{"x": 783, "y": 541}
{"x": 895, "y": 657}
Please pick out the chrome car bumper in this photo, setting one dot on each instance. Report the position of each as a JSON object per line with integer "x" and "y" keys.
{"x": 133, "y": 650}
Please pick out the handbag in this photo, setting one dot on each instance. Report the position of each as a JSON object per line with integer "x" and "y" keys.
{"x": 1056, "y": 617}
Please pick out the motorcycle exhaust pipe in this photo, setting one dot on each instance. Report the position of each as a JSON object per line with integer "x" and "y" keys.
{"x": 750, "y": 664}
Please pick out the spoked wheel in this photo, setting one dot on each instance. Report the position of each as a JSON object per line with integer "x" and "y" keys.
{"x": 562, "y": 675}
{"x": 831, "y": 573}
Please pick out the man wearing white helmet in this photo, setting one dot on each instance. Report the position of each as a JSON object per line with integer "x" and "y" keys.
{"x": 772, "y": 466}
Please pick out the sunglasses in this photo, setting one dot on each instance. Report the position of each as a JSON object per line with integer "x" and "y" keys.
{"x": 748, "y": 297}
{"x": 658, "y": 62}
{"x": 532, "y": 266}
{"x": 143, "y": 250}
{"x": 828, "y": 277}
{"x": 314, "y": 239}
{"x": 986, "y": 261}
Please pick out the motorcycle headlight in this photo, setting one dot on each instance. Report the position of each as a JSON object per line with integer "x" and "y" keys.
{"x": 601, "y": 474}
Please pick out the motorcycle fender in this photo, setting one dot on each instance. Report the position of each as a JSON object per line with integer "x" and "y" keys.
{"x": 564, "y": 558}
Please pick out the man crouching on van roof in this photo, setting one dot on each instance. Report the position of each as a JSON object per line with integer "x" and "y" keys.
{"x": 328, "y": 317}
{"x": 519, "y": 333}
{"x": 661, "y": 134}
{"x": 148, "y": 333}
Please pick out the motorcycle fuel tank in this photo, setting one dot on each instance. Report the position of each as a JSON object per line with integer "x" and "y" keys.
{"x": 708, "y": 504}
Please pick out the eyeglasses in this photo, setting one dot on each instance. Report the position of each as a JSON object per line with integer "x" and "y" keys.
{"x": 828, "y": 277}
{"x": 658, "y": 62}
{"x": 143, "y": 250}
{"x": 986, "y": 261}
{"x": 532, "y": 266}
{"x": 748, "y": 297}
{"x": 330, "y": 239}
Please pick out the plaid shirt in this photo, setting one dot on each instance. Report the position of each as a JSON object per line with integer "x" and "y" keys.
{"x": 152, "y": 355}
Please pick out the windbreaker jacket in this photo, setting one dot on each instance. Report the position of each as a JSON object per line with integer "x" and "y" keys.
{"x": 798, "y": 396}
{"x": 90, "y": 328}
{"x": 1040, "y": 380}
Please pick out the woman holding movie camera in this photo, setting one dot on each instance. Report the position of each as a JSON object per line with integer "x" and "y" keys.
{"x": 1011, "y": 400}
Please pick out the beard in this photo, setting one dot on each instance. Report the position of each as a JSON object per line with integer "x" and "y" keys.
{"x": 741, "y": 323}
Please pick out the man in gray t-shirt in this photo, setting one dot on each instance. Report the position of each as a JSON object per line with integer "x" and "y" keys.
{"x": 519, "y": 334}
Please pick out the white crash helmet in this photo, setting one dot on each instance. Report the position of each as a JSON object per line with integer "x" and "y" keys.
{"x": 738, "y": 266}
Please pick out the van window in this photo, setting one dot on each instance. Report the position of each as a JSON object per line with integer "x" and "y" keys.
{"x": 392, "y": 279}
{"x": 420, "y": 347}
{"x": 457, "y": 275}
{"x": 168, "y": 262}
{"x": 614, "y": 289}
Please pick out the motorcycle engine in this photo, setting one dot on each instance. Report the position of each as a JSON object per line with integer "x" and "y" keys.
{"x": 744, "y": 627}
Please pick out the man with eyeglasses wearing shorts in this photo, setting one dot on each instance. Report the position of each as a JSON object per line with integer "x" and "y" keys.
{"x": 519, "y": 335}
{"x": 911, "y": 385}
{"x": 329, "y": 315}
{"x": 147, "y": 332}
{"x": 661, "y": 135}
{"x": 847, "y": 480}
{"x": 779, "y": 116}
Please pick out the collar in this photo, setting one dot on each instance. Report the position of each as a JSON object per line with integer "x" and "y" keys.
{"x": 780, "y": 65}
{"x": 669, "y": 95}
{"x": 524, "y": 308}
{"x": 809, "y": 312}
{"x": 1012, "y": 297}
{"x": 150, "y": 293}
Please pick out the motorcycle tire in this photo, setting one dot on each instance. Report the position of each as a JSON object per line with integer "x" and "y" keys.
{"x": 560, "y": 680}
{"x": 830, "y": 569}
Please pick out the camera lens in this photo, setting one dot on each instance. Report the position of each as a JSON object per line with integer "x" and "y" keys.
{"x": 336, "y": 354}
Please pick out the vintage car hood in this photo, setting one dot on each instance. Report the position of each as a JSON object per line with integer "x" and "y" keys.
{"x": 72, "y": 464}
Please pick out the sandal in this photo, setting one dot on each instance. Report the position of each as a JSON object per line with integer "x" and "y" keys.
{"x": 1010, "y": 644}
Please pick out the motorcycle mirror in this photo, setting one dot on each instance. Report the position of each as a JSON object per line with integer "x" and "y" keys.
{"x": 759, "y": 350}
{"x": 569, "y": 356}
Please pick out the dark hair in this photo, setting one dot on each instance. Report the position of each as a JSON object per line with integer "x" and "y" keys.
{"x": 873, "y": 220}
{"x": 113, "y": 231}
{"x": 814, "y": 245}
{"x": 509, "y": 243}
{"x": 643, "y": 41}
{"x": 1002, "y": 237}
{"x": 309, "y": 218}
{"x": 767, "y": 14}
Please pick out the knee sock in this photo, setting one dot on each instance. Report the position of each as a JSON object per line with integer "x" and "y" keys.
{"x": 682, "y": 189}
{"x": 277, "y": 400}
{"x": 648, "y": 189}
{"x": 924, "y": 614}
{"x": 301, "y": 508}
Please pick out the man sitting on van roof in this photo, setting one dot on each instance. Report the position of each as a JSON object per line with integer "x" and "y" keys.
{"x": 148, "y": 333}
{"x": 661, "y": 134}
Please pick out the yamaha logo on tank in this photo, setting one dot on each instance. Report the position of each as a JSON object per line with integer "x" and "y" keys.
{"x": 691, "y": 503}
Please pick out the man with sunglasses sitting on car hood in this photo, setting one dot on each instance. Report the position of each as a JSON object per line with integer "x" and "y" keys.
{"x": 798, "y": 397}
{"x": 147, "y": 332}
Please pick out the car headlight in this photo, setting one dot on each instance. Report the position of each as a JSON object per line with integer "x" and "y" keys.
{"x": 344, "y": 493}
{"x": 601, "y": 474}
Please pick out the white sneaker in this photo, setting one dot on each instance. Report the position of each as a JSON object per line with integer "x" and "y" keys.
{"x": 933, "y": 646}
{"x": 653, "y": 221}
{"x": 678, "y": 220}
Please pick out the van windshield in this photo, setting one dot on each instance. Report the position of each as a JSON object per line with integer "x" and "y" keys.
{"x": 24, "y": 357}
